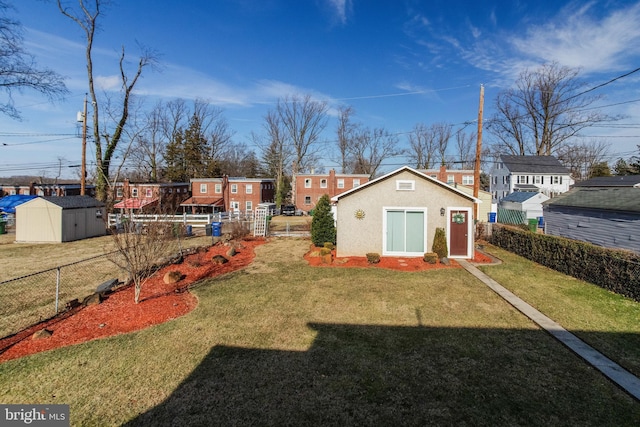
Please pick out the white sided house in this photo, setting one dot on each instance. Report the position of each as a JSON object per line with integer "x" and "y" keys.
{"x": 542, "y": 174}
{"x": 397, "y": 215}
{"x": 59, "y": 219}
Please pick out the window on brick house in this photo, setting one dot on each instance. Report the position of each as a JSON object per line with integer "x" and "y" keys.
{"x": 340, "y": 183}
{"x": 323, "y": 183}
{"x": 203, "y": 188}
{"x": 307, "y": 183}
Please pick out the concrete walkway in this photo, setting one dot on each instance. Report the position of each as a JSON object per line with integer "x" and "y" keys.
{"x": 616, "y": 373}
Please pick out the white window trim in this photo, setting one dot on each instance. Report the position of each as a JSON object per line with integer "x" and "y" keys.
{"x": 384, "y": 230}
{"x": 324, "y": 182}
{"x": 234, "y": 188}
{"x": 469, "y": 212}
{"x": 203, "y": 188}
{"x": 307, "y": 183}
{"x": 340, "y": 183}
{"x": 249, "y": 189}
{"x": 218, "y": 188}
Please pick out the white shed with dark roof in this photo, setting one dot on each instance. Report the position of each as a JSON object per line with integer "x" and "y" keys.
{"x": 59, "y": 219}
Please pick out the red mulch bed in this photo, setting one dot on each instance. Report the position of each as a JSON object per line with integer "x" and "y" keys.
{"x": 119, "y": 313}
{"x": 393, "y": 263}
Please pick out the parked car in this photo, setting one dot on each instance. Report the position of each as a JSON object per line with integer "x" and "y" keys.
{"x": 288, "y": 210}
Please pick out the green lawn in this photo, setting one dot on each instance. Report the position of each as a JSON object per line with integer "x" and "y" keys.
{"x": 607, "y": 321}
{"x": 282, "y": 343}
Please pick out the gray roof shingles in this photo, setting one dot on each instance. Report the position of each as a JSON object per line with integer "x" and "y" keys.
{"x": 75, "y": 202}
{"x": 625, "y": 199}
{"x": 534, "y": 164}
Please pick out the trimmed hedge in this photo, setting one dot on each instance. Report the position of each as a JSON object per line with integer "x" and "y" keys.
{"x": 614, "y": 270}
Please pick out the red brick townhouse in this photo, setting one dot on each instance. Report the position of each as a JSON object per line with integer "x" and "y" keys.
{"x": 228, "y": 194}
{"x": 150, "y": 196}
{"x": 308, "y": 188}
{"x": 451, "y": 176}
{"x": 52, "y": 190}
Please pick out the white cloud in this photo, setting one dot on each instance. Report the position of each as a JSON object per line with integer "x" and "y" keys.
{"x": 580, "y": 39}
{"x": 340, "y": 7}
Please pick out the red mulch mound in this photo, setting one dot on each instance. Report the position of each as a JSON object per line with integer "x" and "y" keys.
{"x": 393, "y": 263}
{"x": 119, "y": 313}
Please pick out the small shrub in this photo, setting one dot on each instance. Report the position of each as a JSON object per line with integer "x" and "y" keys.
{"x": 329, "y": 245}
{"x": 323, "y": 227}
{"x": 239, "y": 230}
{"x": 373, "y": 258}
{"x": 430, "y": 257}
{"x": 325, "y": 251}
{"x": 440, "y": 243}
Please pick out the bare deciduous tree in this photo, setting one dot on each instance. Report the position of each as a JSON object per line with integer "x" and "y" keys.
{"x": 345, "y": 132}
{"x": 106, "y": 142}
{"x": 544, "y": 110}
{"x": 303, "y": 119}
{"x": 370, "y": 148}
{"x": 465, "y": 149}
{"x": 422, "y": 147}
{"x": 139, "y": 251}
{"x": 582, "y": 156}
{"x": 18, "y": 70}
{"x": 442, "y": 135}
{"x": 276, "y": 153}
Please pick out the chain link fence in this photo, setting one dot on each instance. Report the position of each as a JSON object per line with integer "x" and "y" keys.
{"x": 32, "y": 298}
{"x": 29, "y": 299}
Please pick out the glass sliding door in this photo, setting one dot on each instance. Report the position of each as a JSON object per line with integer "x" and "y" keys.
{"x": 405, "y": 232}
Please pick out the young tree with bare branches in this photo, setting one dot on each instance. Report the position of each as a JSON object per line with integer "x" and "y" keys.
{"x": 140, "y": 250}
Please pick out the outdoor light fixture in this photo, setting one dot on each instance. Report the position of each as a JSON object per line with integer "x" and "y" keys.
{"x": 442, "y": 211}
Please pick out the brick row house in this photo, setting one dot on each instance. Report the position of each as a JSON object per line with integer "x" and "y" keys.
{"x": 308, "y": 188}
{"x": 44, "y": 190}
{"x": 147, "y": 196}
{"x": 451, "y": 176}
{"x": 228, "y": 194}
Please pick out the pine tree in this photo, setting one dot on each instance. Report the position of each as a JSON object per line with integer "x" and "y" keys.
{"x": 323, "y": 228}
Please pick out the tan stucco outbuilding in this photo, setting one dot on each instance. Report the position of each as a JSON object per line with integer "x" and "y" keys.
{"x": 398, "y": 213}
{"x": 59, "y": 219}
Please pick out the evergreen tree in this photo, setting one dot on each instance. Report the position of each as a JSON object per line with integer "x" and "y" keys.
{"x": 323, "y": 228}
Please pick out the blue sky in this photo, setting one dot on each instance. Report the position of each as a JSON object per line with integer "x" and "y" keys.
{"x": 396, "y": 62}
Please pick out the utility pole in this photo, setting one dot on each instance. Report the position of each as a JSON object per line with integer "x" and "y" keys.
{"x": 83, "y": 167}
{"x": 476, "y": 170}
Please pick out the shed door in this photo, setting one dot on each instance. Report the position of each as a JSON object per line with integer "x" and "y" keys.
{"x": 459, "y": 229}
{"x": 405, "y": 232}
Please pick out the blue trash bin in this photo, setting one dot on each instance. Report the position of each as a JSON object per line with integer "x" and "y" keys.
{"x": 216, "y": 229}
{"x": 541, "y": 222}
{"x": 492, "y": 216}
{"x": 189, "y": 229}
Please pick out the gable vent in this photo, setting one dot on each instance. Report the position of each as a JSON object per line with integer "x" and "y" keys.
{"x": 405, "y": 185}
